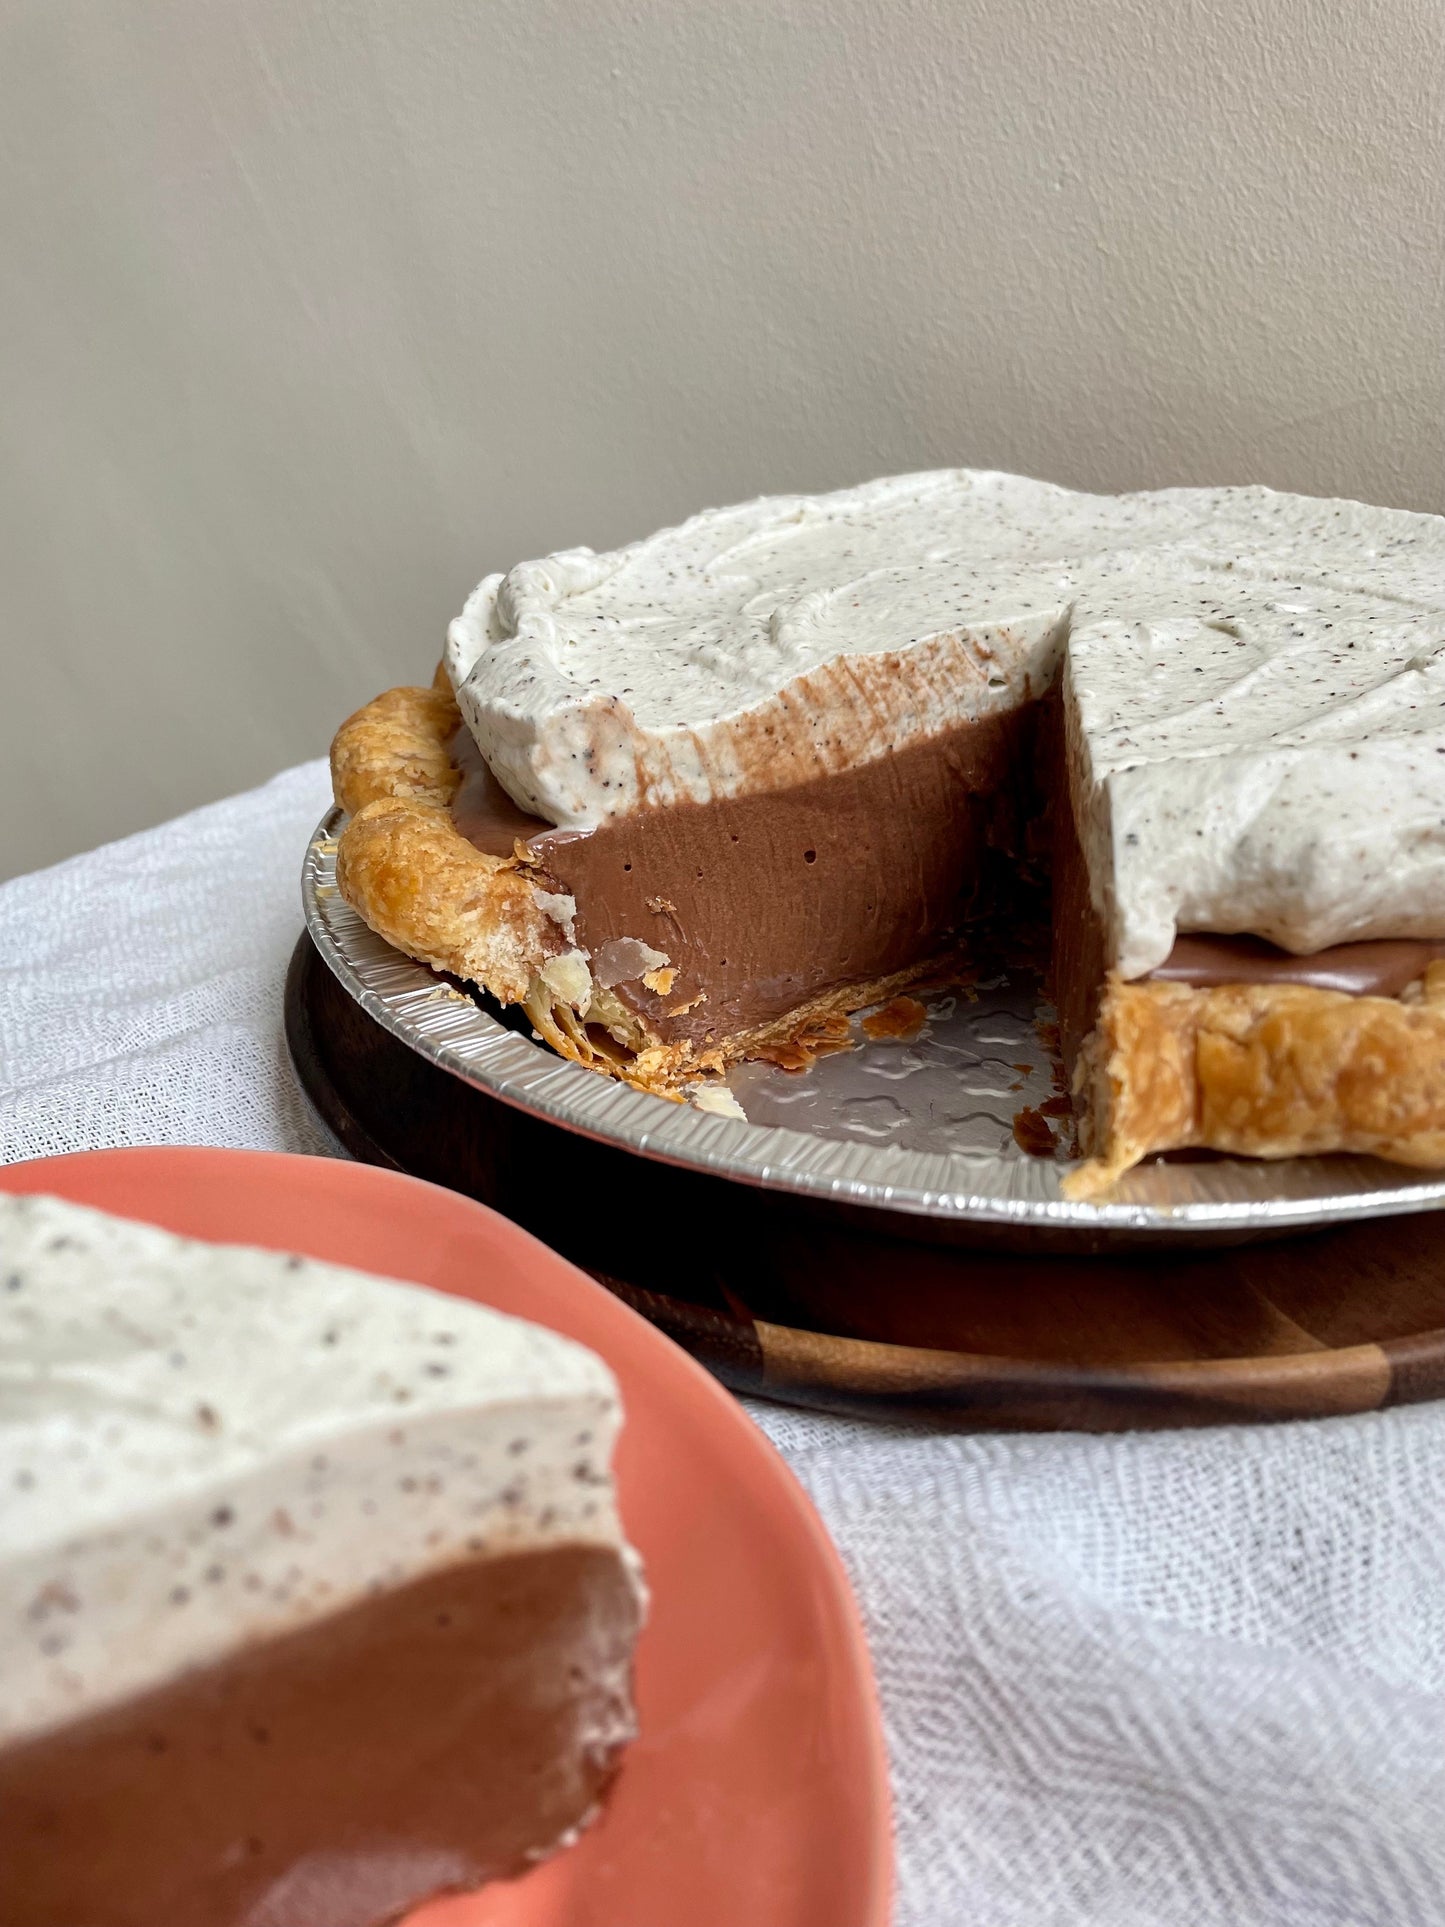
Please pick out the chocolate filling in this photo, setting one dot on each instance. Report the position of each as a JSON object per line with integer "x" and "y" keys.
{"x": 1078, "y": 960}
{"x": 765, "y": 900}
{"x": 481, "y": 809}
{"x": 1379, "y": 968}
{"x": 423, "y": 1741}
{"x": 761, "y": 902}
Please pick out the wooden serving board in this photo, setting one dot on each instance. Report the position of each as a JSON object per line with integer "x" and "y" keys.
{"x": 781, "y": 1296}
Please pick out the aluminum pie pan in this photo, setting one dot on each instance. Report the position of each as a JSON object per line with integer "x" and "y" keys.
{"x": 879, "y": 1131}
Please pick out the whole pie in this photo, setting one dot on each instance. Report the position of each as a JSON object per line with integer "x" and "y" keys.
{"x": 697, "y": 799}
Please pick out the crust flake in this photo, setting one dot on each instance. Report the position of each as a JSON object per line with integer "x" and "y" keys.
{"x": 1260, "y": 1070}
{"x": 404, "y": 867}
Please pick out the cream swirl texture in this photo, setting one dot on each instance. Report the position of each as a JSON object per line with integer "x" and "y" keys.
{"x": 1255, "y": 688}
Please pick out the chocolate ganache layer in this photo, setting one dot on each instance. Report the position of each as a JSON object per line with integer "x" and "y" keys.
{"x": 1381, "y": 967}
{"x": 762, "y": 901}
{"x": 422, "y": 1741}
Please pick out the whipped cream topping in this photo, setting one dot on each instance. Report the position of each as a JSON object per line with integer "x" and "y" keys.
{"x": 751, "y": 648}
{"x": 202, "y": 1446}
{"x": 1255, "y": 687}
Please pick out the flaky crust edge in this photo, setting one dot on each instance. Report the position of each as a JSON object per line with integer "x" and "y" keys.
{"x": 404, "y": 867}
{"x": 1260, "y": 1070}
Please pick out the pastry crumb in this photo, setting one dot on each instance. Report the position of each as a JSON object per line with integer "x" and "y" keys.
{"x": 660, "y": 981}
{"x": 446, "y": 994}
{"x": 800, "y": 1053}
{"x": 569, "y": 979}
{"x": 1033, "y": 1134}
{"x": 903, "y": 1018}
{"x": 718, "y": 1101}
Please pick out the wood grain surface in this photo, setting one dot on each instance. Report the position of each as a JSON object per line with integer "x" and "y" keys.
{"x": 797, "y": 1301}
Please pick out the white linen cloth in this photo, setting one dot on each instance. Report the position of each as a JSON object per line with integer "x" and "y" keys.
{"x": 1192, "y": 1678}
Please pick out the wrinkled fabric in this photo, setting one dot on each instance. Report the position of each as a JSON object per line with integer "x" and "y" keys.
{"x": 1134, "y": 1681}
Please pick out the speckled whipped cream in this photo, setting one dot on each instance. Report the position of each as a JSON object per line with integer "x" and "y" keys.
{"x": 1255, "y": 684}
{"x": 203, "y": 1446}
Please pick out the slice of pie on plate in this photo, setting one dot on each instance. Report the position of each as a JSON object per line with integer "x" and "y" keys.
{"x": 315, "y": 1598}
{"x": 698, "y": 799}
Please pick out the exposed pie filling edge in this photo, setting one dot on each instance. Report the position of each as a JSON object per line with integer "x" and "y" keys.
{"x": 414, "y": 1744}
{"x": 1262, "y": 1065}
{"x": 511, "y": 923}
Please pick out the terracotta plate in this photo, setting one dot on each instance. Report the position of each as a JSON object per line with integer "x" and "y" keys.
{"x": 757, "y": 1793}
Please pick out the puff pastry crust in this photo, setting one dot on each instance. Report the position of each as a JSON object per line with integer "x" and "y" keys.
{"x": 404, "y": 867}
{"x": 1261, "y": 1070}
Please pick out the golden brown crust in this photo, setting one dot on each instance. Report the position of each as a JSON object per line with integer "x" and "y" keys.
{"x": 397, "y": 747}
{"x": 406, "y": 870}
{"x": 1261, "y": 1070}
{"x": 403, "y": 867}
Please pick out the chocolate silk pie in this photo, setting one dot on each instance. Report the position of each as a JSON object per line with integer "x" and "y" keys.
{"x": 698, "y": 799}
{"x": 313, "y": 1593}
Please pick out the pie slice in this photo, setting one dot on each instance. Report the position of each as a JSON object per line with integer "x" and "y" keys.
{"x": 314, "y": 1595}
{"x": 698, "y": 799}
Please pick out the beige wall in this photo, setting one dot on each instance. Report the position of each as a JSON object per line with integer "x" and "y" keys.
{"x": 315, "y": 310}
